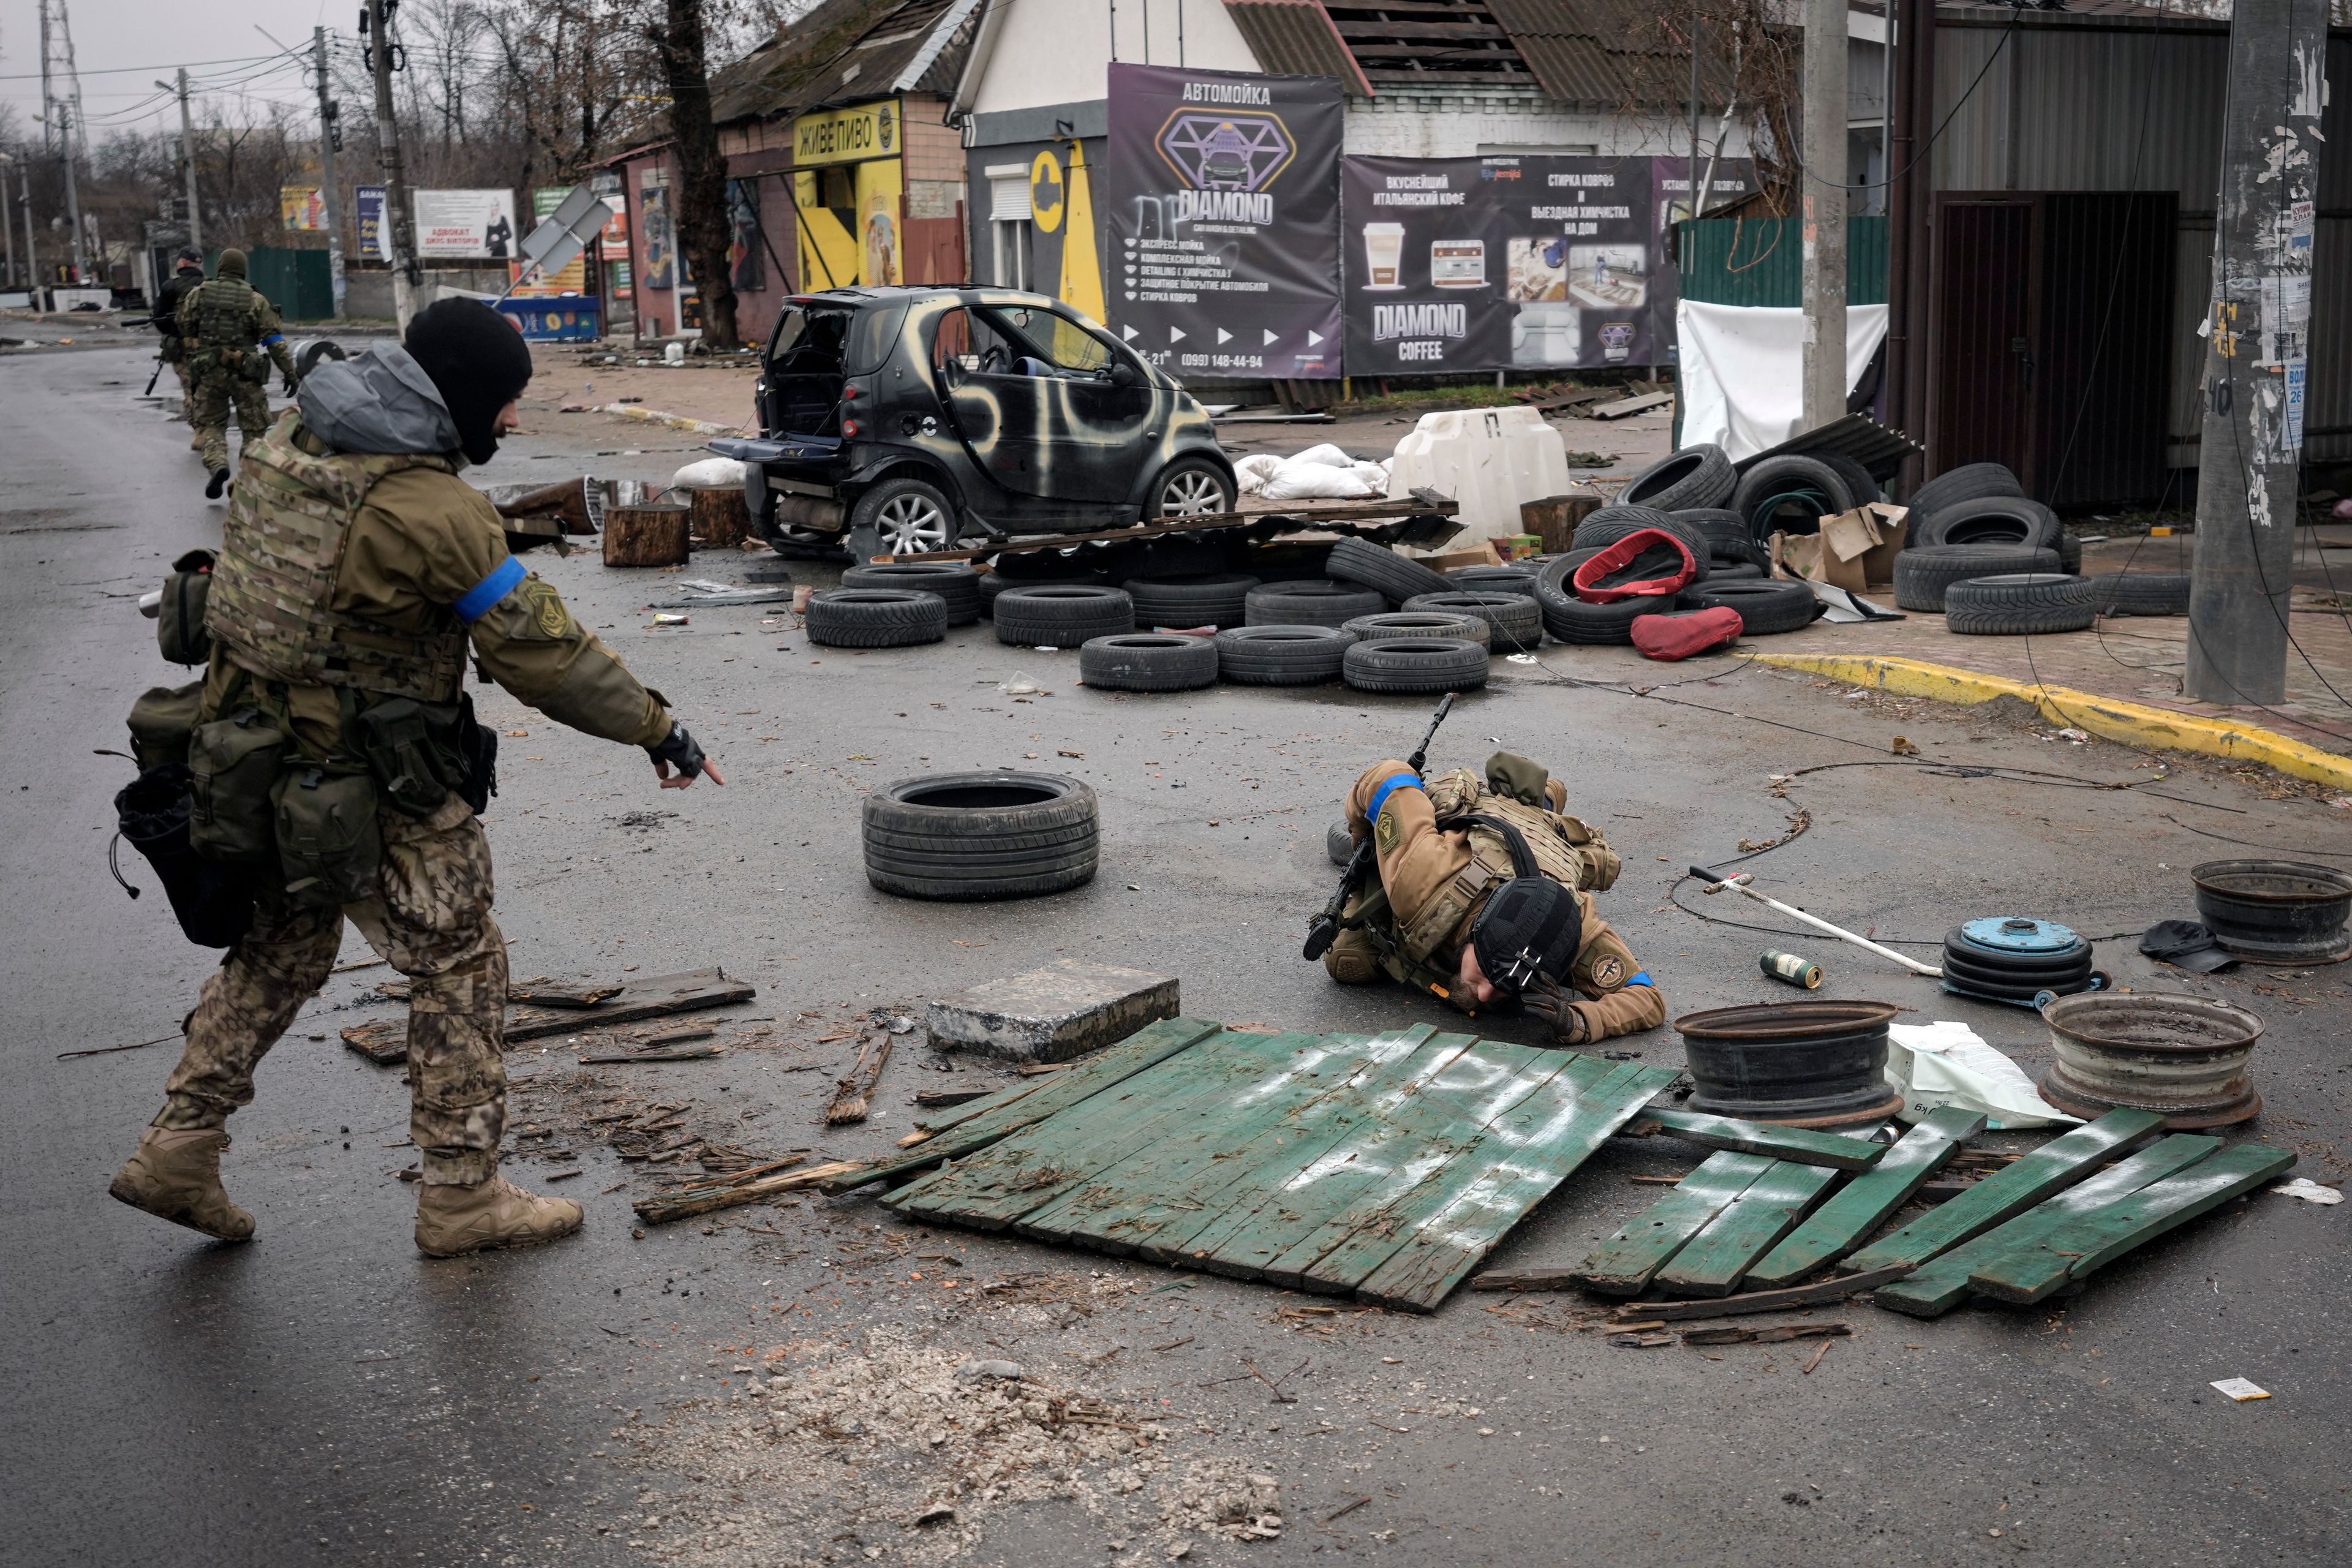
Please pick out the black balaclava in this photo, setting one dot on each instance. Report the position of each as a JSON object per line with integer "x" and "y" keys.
{"x": 478, "y": 363}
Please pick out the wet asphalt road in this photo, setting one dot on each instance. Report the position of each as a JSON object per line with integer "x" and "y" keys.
{"x": 326, "y": 1394}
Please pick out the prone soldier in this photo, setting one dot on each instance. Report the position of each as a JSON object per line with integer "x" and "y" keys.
{"x": 227, "y": 327}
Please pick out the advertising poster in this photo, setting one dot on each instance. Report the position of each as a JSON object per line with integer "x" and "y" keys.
{"x": 747, "y": 259}
{"x": 466, "y": 223}
{"x": 1499, "y": 263}
{"x": 571, "y": 278}
{"x": 1224, "y": 221}
{"x": 660, "y": 236}
{"x": 370, "y": 214}
{"x": 302, "y": 207}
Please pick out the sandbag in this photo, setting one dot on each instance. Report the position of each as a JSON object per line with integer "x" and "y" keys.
{"x": 1316, "y": 481}
{"x": 1665, "y": 562}
{"x": 1669, "y": 638}
{"x": 709, "y": 474}
{"x": 1251, "y": 473}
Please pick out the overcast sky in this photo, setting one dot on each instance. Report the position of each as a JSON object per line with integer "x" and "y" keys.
{"x": 122, "y": 46}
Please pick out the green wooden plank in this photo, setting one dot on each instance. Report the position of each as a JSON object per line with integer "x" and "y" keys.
{"x": 1713, "y": 1262}
{"x": 1797, "y": 1144}
{"x": 1383, "y": 1103}
{"x": 2091, "y": 1241}
{"x": 1423, "y": 1119}
{"x": 1163, "y": 1177}
{"x": 1937, "y": 1287}
{"x": 1843, "y": 1223}
{"x": 1624, "y": 1264}
{"x": 2056, "y": 1165}
{"x": 1029, "y": 1168}
{"x": 1152, "y": 1044}
{"x": 1515, "y": 1166}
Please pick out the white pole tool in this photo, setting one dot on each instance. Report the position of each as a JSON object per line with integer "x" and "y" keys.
{"x": 1739, "y": 884}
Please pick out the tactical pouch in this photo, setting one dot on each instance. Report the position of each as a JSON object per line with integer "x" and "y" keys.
{"x": 162, "y": 721}
{"x": 481, "y": 759}
{"x": 235, "y": 765}
{"x": 328, "y": 845}
{"x": 179, "y": 618}
{"x": 421, "y": 753}
{"x": 213, "y": 902}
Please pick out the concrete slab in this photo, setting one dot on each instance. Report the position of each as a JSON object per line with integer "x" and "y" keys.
{"x": 1053, "y": 1014}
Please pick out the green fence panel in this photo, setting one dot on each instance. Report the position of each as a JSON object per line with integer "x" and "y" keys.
{"x": 297, "y": 281}
{"x": 1760, "y": 261}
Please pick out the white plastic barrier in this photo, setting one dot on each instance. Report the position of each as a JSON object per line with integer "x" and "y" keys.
{"x": 1488, "y": 460}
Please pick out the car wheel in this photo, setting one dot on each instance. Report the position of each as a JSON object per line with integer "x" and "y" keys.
{"x": 907, "y": 516}
{"x": 1190, "y": 487}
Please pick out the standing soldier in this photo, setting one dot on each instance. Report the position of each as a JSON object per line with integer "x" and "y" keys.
{"x": 189, "y": 276}
{"x": 223, "y": 325}
{"x": 356, "y": 570}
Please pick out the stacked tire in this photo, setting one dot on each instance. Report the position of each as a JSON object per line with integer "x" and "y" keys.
{"x": 1924, "y": 573}
{"x": 1211, "y": 599}
{"x": 957, "y": 584}
{"x": 1061, "y": 615}
{"x": 982, "y": 835}
{"x": 1282, "y": 655}
{"x": 1421, "y": 623}
{"x": 1765, "y": 608}
{"x": 1421, "y": 667}
{"x": 875, "y": 618}
{"x": 1149, "y": 661}
{"x": 2020, "y": 604}
{"x": 1696, "y": 477}
{"x": 1570, "y": 619}
{"x": 1512, "y": 623}
{"x": 1314, "y": 603}
{"x": 1394, "y": 577}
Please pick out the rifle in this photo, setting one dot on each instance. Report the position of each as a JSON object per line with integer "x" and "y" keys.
{"x": 1325, "y": 929}
{"x": 157, "y": 377}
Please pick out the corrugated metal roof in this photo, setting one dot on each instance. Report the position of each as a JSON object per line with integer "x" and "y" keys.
{"x": 1612, "y": 53}
{"x": 1858, "y": 437}
{"x": 1296, "y": 38}
{"x": 846, "y": 51}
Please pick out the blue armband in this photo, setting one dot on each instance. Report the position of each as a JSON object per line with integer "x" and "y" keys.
{"x": 1388, "y": 786}
{"x": 485, "y": 594}
{"x": 1643, "y": 979}
{"x": 273, "y": 338}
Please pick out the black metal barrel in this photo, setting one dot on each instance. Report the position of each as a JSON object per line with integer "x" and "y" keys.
{"x": 1801, "y": 1064}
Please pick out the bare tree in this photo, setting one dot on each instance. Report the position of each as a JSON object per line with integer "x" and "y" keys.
{"x": 705, "y": 226}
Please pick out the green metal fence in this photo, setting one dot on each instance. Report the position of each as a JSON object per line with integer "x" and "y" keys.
{"x": 296, "y": 281}
{"x": 1760, "y": 261}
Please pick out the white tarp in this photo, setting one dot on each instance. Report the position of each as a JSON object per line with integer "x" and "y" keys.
{"x": 1742, "y": 370}
{"x": 1946, "y": 1063}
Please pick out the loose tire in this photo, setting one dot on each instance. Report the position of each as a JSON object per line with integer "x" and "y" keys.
{"x": 875, "y": 618}
{"x": 1149, "y": 661}
{"x": 908, "y": 516}
{"x": 1695, "y": 477}
{"x": 1416, "y": 666}
{"x": 1062, "y": 615}
{"x": 1969, "y": 481}
{"x": 1190, "y": 487}
{"x": 1513, "y": 579}
{"x": 2140, "y": 592}
{"x": 1996, "y": 519}
{"x": 1923, "y": 573}
{"x": 1611, "y": 524}
{"x": 1311, "y": 604}
{"x": 1282, "y": 655}
{"x": 1570, "y": 619}
{"x": 1397, "y": 577}
{"x": 1207, "y": 599}
{"x": 1764, "y": 607}
{"x": 2020, "y": 604}
{"x": 1724, "y": 531}
{"x": 1771, "y": 481}
{"x": 1859, "y": 483}
{"x": 955, "y": 583}
{"x": 1422, "y": 623}
{"x": 982, "y": 835}
{"x": 1516, "y": 619}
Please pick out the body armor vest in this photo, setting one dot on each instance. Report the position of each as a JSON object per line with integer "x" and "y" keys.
{"x": 271, "y": 602}
{"x": 224, "y": 336}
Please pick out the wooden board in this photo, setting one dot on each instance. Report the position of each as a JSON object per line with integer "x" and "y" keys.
{"x": 1939, "y": 1285}
{"x": 2073, "y": 1250}
{"x": 1624, "y": 407}
{"x": 1794, "y": 1144}
{"x": 1386, "y": 1166}
{"x": 1846, "y": 1221}
{"x": 1624, "y": 1264}
{"x": 2056, "y": 1166}
{"x": 1748, "y": 1301}
{"x": 1713, "y": 1262}
{"x": 385, "y": 1041}
{"x": 1403, "y": 508}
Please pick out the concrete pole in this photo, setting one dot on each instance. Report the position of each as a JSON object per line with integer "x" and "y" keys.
{"x": 32, "y": 255}
{"x": 188, "y": 164}
{"x": 327, "y": 172}
{"x": 1824, "y": 212}
{"x": 398, "y": 226}
{"x": 2258, "y": 334}
{"x": 63, "y": 114}
{"x": 8, "y": 229}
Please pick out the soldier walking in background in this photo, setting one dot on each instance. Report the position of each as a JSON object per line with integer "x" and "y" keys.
{"x": 226, "y": 326}
{"x": 188, "y": 277}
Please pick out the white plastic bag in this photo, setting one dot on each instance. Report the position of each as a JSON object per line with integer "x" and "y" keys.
{"x": 1945, "y": 1063}
{"x": 709, "y": 474}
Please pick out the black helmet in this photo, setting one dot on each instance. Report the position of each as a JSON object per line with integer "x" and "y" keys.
{"x": 1530, "y": 926}
{"x": 190, "y": 257}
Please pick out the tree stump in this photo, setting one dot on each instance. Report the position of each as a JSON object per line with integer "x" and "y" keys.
{"x": 1554, "y": 519}
{"x": 651, "y": 535}
{"x": 722, "y": 519}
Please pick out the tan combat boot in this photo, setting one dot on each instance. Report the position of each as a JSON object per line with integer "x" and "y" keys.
{"x": 175, "y": 1175}
{"x": 452, "y": 1221}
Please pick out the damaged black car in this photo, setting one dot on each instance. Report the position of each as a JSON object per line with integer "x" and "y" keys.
{"x": 903, "y": 420}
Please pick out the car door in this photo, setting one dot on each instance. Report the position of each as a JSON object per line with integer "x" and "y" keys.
{"x": 1095, "y": 407}
{"x": 996, "y": 412}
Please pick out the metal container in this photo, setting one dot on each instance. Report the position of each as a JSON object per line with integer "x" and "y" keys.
{"x": 2275, "y": 911}
{"x": 1799, "y": 1064}
{"x": 1791, "y": 969}
{"x": 2182, "y": 1057}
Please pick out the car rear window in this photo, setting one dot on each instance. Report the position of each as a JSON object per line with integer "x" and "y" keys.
{"x": 873, "y": 333}
{"x": 862, "y": 337}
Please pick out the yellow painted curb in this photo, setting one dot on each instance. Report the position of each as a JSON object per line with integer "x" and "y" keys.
{"x": 2134, "y": 724}
{"x": 675, "y": 421}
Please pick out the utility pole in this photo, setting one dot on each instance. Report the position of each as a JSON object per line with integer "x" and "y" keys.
{"x": 1824, "y": 177}
{"x": 8, "y": 229}
{"x": 188, "y": 164}
{"x": 2249, "y": 492}
{"x": 399, "y": 228}
{"x": 32, "y": 257}
{"x": 328, "y": 135}
{"x": 65, "y": 133}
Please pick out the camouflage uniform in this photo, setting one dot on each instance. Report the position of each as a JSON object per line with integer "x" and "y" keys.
{"x": 1435, "y": 880}
{"x": 174, "y": 352}
{"x": 224, "y": 323}
{"x": 344, "y": 580}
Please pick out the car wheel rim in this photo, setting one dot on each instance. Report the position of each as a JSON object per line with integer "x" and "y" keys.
{"x": 1191, "y": 493}
{"x": 911, "y": 525}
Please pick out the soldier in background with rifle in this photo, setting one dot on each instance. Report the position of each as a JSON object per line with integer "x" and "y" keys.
{"x": 165, "y": 317}
{"x": 1483, "y": 898}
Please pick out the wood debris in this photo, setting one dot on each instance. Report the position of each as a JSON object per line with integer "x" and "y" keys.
{"x": 856, "y": 1088}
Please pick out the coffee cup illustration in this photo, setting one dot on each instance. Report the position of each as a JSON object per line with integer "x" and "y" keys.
{"x": 1384, "y": 255}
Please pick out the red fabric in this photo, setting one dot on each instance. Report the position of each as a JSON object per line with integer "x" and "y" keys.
{"x": 1622, "y": 554}
{"x": 1669, "y": 638}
